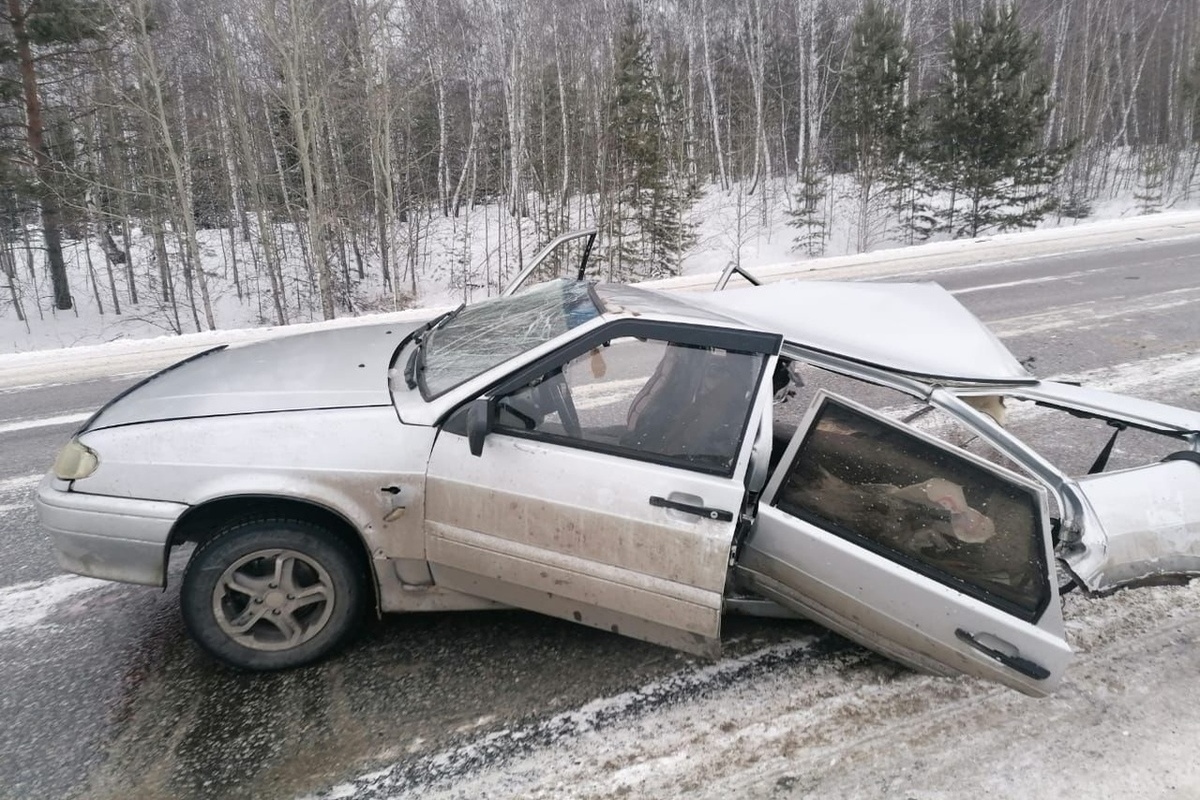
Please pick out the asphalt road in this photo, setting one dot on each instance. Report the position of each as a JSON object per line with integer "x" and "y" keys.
{"x": 104, "y": 696}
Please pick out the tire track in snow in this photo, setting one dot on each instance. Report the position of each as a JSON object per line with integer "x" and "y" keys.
{"x": 498, "y": 747}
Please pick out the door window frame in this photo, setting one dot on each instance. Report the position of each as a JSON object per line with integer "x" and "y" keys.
{"x": 733, "y": 340}
{"x": 1043, "y": 548}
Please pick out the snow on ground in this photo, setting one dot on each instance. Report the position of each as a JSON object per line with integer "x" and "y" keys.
{"x": 820, "y": 720}
{"x": 132, "y": 356}
{"x": 26, "y": 605}
{"x": 461, "y": 260}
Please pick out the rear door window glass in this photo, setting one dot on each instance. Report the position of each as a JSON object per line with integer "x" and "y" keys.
{"x": 921, "y": 503}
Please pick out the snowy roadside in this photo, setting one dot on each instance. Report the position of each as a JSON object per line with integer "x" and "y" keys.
{"x": 139, "y": 356}
{"x": 1125, "y": 723}
{"x": 1007, "y": 247}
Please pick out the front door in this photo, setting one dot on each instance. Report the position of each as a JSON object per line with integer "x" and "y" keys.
{"x": 911, "y": 547}
{"x": 610, "y": 482}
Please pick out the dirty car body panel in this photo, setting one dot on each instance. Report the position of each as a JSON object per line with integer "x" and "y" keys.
{"x": 612, "y": 455}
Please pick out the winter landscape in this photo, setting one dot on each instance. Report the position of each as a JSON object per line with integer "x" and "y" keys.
{"x": 172, "y": 167}
{"x": 175, "y": 175}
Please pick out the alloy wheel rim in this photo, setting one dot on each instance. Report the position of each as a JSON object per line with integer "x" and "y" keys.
{"x": 273, "y": 599}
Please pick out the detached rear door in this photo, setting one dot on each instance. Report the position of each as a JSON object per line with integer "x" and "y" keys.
{"x": 911, "y": 547}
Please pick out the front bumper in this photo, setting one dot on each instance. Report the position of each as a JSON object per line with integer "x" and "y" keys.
{"x": 113, "y": 538}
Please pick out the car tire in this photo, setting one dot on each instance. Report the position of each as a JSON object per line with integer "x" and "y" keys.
{"x": 270, "y": 594}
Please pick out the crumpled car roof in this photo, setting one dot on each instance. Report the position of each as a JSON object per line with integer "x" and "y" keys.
{"x": 914, "y": 328}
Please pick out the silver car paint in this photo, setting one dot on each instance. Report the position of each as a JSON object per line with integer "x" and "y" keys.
{"x": 1142, "y": 526}
{"x": 915, "y": 328}
{"x": 109, "y": 537}
{"x": 328, "y": 369}
{"x": 360, "y": 463}
{"x": 216, "y": 444}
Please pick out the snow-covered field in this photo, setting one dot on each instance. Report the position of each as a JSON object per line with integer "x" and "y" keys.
{"x": 461, "y": 262}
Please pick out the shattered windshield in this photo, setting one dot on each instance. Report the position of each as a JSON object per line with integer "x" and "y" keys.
{"x": 487, "y": 334}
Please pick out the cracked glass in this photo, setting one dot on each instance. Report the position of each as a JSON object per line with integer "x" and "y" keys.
{"x": 487, "y": 334}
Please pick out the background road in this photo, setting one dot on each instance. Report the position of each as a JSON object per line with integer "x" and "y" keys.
{"x": 104, "y": 696}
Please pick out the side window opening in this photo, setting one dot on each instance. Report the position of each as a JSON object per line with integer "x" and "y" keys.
{"x": 681, "y": 404}
{"x": 1077, "y": 444}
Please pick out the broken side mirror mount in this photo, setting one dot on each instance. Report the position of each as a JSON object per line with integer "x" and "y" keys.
{"x": 481, "y": 414}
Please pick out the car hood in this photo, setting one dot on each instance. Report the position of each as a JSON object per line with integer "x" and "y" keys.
{"x": 339, "y": 368}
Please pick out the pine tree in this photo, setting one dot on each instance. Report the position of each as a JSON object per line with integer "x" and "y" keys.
{"x": 806, "y": 213}
{"x": 990, "y": 109}
{"x": 1151, "y": 178}
{"x": 871, "y": 116}
{"x": 648, "y": 225}
{"x": 29, "y": 28}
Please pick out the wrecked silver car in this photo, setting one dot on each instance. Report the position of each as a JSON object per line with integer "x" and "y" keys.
{"x": 632, "y": 460}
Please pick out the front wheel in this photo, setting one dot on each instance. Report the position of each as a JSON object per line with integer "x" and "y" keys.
{"x": 272, "y": 593}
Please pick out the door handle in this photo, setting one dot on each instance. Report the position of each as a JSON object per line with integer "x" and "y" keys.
{"x": 701, "y": 511}
{"x": 1030, "y": 669}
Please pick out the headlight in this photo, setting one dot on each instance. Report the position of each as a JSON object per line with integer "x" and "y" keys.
{"x": 75, "y": 461}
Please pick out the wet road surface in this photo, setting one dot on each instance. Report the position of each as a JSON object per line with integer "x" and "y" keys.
{"x": 104, "y": 696}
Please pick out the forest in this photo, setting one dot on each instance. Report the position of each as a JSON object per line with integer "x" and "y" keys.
{"x": 170, "y": 160}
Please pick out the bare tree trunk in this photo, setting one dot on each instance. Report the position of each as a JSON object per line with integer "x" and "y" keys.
{"x": 303, "y": 104}
{"x": 371, "y": 19}
{"x": 164, "y": 271}
{"x": 714, "y": 110}
{"x": 153, "y": 79}
{"x": 108, "y": 246}
{"x": 515, "y": 109}
{"x": 437, "y": 74}
{"x": 110, "y": 128}
{"x": 473, "y": 92}
{"x": 1060, "y": 46}
{"x": 8, "y": 267}
{"x": 1134, "y": 89}
{"x": 238, "y": 219}
{"x": 35, "y": 137}
{"x": 756, "y": 68}
{"x": 91, "y": 268}
{"x": 565, "y": 133}
{"x": 245, "y": 142}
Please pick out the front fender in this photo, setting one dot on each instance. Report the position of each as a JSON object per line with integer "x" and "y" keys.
{"x": 360, "y": 463}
